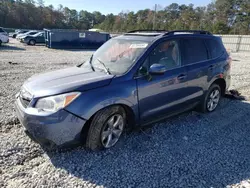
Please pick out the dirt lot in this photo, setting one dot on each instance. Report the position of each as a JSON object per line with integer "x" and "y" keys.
{"x": 191, "y": 150}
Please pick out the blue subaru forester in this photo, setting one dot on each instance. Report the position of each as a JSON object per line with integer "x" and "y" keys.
{"x": 133, "y": 79}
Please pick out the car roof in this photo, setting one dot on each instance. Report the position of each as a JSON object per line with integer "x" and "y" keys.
{"x": 145, "y": 38}
{"x": 151, "y": 35}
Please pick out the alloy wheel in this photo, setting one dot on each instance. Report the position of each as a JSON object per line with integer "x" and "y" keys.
{"x": 112, "y": 130}
{"x": 213, "y": 100}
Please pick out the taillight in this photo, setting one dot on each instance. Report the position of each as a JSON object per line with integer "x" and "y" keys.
{"x": 229, "y": 58}
{"x": 229, "y": 61}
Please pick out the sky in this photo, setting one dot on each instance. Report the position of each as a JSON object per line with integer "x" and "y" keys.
{"x": 116, "y": 6}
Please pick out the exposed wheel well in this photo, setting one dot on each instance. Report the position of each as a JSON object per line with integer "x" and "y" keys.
{"x": 221, "y": 82}
{"x": 130, "y": 120}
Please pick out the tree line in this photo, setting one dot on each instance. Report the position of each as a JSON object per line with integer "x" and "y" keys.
{"x": 220, "y": 16}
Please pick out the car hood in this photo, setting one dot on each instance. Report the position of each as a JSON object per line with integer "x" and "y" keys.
{"x": 66, "y": 80}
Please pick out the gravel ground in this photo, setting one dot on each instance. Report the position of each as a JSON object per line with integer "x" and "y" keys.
{"x": 190, "y": 150}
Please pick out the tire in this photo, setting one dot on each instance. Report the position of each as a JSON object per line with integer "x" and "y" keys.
{"x": 14, "y": 36}
{"x": 32, "y": 42}
{"x": 109, "y": 121}
{"x": 209, "y": 104}
{"x": 0, "y": 43}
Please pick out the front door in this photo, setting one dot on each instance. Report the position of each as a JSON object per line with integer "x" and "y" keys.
{"x": 160, "y": 95}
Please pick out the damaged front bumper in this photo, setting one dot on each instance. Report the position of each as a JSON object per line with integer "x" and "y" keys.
{"x": 50, "y": 130}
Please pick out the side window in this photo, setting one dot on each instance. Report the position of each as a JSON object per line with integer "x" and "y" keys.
{"x": 166, "y": 53}
{"x": 1, "y": 30}
{"x": 194, "y": 50}
{"x": 215, "y": 48}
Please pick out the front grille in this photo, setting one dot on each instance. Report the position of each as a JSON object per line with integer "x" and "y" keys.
{"x": 24, "y": 102}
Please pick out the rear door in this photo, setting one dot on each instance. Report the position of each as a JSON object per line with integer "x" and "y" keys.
{"x": 196, "y": 59}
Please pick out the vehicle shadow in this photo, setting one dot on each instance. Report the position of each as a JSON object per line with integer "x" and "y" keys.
{"x": 189, "y": 150}
{"x": 7, "y": 47}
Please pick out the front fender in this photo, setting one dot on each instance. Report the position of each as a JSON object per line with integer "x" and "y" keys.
{"x": 90, "y": 102}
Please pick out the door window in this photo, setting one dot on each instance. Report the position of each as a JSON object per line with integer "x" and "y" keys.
{"x": 216, "y": 49}
{"x": 167, "y": 54}
{"x": 194, "y": 50}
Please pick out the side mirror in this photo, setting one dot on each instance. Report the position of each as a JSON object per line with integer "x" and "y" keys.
{"x": 157, "y": 69}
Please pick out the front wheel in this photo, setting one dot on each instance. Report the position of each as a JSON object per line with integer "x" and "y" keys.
{"x": 106, "y": 128}
{"x": 211, "y": 99}
{"x": 32, "y": 42}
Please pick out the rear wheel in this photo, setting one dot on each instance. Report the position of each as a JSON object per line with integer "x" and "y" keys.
{"x": 211, "y": 99}
{"x": 32, "y": 42}
{"x": 106, "y": 128}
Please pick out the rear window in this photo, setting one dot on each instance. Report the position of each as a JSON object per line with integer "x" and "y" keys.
{"x": 215, "y": 47}
{"x": 194, "y": 50}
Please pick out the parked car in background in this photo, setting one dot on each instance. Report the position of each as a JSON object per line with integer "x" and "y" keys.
{"x": 3, "y": 32}
{"x": 34, "y": 39}
{"x": 134, "y": 79}
{"x": 4, "y": 38}
{"x": 18, "y": 37}
{"x": 17, "y": 32}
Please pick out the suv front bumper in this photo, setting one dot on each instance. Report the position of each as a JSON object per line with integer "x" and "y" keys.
{"x": 57, "y": 129}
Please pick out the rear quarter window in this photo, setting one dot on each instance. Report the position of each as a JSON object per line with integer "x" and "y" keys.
{"x": 215, "y": 47}
{"x": 194, "y": 50}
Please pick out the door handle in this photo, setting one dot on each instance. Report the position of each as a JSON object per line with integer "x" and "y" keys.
{"x": 181, "y": 77}
{"x": 211, "y": 67}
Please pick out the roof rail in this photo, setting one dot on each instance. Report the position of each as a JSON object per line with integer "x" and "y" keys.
{"x": 149, "y": 31}
{"x": 188, "y": 31}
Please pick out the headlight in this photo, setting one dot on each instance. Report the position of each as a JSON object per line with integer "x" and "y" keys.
{"x": 55, "y": 103}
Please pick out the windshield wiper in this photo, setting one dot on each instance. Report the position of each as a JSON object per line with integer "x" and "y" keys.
{"x": 90, "y": 62}
{"x": 106, "y": 69}
{"x": 79, "y": 65}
